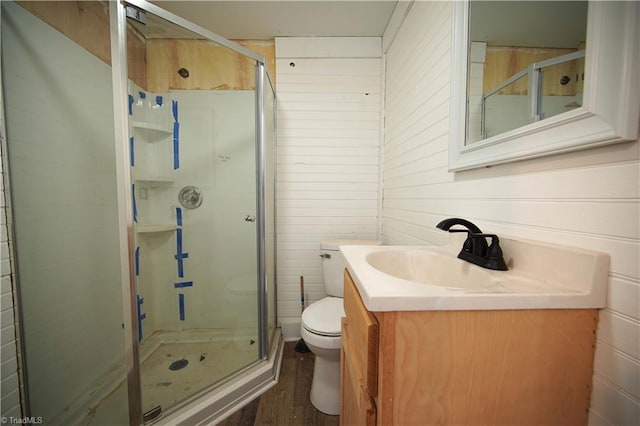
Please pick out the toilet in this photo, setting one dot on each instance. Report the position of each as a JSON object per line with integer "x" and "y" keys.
{"x": 320, "y": 327}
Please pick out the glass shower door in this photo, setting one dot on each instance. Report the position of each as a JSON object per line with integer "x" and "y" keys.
{"x": 193, "y": 165}
{"x": 57, "y": 91}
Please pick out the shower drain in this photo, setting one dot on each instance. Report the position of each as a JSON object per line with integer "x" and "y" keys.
{"x": 178, "y": 365}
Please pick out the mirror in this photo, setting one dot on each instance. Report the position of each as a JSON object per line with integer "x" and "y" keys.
{"x": 529, "y": 79}
{"x": 525, "y": 63}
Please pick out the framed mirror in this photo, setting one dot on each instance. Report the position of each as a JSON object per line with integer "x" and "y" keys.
{"x": 555, "y": 95}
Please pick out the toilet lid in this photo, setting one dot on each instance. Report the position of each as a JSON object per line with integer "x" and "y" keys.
{"x": 324, "y": 316}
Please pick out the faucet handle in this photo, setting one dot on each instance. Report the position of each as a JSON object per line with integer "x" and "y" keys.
{"x": 495, "y": 258}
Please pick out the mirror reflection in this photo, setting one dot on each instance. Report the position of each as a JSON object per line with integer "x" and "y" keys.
{"x": 525, "y": 63}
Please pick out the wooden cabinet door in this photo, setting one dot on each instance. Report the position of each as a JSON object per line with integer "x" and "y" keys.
{"x": 363, "y": 337}
{"x": 357, "y": 408}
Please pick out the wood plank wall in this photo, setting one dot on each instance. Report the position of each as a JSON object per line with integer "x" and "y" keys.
{"x": 586, "y": 199}
{"x": 329, "y": 92}
{"x": 153, "y": 63}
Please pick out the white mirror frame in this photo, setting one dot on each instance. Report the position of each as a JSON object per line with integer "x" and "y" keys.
{"x": 611, "y": 105}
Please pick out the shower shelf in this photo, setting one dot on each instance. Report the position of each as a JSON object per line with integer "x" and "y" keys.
{"x": 152, "y": 132}
{"x": 148, "y": 229}
{"x": 154, "y": 182}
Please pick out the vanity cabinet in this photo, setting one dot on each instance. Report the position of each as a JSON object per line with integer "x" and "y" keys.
{"x": 499, "y": 367}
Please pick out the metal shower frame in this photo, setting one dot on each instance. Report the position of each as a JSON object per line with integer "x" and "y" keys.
{"x": 118, "y": 25}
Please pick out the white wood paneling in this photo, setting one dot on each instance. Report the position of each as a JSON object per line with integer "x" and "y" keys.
{"x": 329, "y": 93}
{"x": 10, "y": 385}
{"x": 588, "y": 199}
{"x": 328, "y": 47}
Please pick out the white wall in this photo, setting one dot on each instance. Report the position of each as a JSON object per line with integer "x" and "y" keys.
{"x": 59, "y": 112}
{"x": 586, "y": 199}
{"x": 329, "y": 92}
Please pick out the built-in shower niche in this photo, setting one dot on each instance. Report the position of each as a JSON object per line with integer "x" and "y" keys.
{"x": 154, "y": 158}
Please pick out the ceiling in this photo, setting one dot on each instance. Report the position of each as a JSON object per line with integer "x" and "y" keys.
{"x": 507, "y": 23}
{"x": 268, "y": 19}
{"x": 529, "y": 23}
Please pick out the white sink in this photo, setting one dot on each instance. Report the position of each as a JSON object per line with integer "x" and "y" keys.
{"x": 540, "y": 276}
{"x": 430, "y": 267}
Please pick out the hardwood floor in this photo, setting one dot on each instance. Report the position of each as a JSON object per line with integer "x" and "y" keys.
{"x": 287, "y": 403}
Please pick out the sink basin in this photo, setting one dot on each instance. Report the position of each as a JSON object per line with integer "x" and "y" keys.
{"x": 431, "y": 268}
{"x": 437, "y": 269}
{"x": 540, "y": 276}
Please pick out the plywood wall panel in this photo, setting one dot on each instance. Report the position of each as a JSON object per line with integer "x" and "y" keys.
{"x": 210, "y": 66}
{"x": 87, "y": 24}
{"x": 504, "y": 61}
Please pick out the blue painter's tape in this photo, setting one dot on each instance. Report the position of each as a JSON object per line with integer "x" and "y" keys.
{"x": 180, "y": 258}
{"x": 181, "y": 306}
{"x": 132, "y": 151}
{"x": 130, "y": 105}
{"x": 137, "y": 261}
{"x": 141, "y": 316}
{"x": 174, "y": 109}
{"x": 179, "y": 216}
{"x": 133, "y": 199}
{"x": 183, "y": 284}
{"x": 159, "y": 100}
{"x": 179, "y": 255}
{"x": 176, "y": 145}
{"x": 143, "y": 95}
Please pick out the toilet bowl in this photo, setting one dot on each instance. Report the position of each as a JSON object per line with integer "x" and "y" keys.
{"x": 320, "y": 327}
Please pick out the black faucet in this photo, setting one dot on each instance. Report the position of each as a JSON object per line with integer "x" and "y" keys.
{"x": 475, "y": 248}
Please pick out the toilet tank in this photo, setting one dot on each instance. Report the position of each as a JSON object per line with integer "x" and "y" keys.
{"x": 333, "y": 263}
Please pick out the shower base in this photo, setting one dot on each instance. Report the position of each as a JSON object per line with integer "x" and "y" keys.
{"x": 205, "y": 357}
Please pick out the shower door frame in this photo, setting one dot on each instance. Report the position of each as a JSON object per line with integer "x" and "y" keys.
{"x": 118, "y": 26}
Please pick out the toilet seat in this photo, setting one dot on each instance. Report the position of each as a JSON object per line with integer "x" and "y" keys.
{"x": 324, "y": 317}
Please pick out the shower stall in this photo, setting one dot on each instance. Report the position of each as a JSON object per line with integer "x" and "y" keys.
{"x": 138, "y": 151}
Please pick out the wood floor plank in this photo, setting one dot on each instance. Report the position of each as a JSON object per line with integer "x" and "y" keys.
{"x": 287, "y": 403}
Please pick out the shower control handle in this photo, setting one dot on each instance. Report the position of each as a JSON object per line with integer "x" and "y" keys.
{"x": 249, "y": 218}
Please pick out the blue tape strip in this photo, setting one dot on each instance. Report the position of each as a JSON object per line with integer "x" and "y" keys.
{"x": 133, "y": 199}
{"x": 183, "y": 284}
{"x": 180, "y": 256}
{"x": 141, "y": 316}
{"x": 159, "y": 100}
{"x": 174, "y": 109}
{"x": 176, "y": 145}
{"x": 181, "y": 306}
{"x": 130, "y": 105}
{"x": 137, "y": 261}
{"x": 143, "y": 95}
{"x": 179, "y": 216}
{"x": 132, "y": 151}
